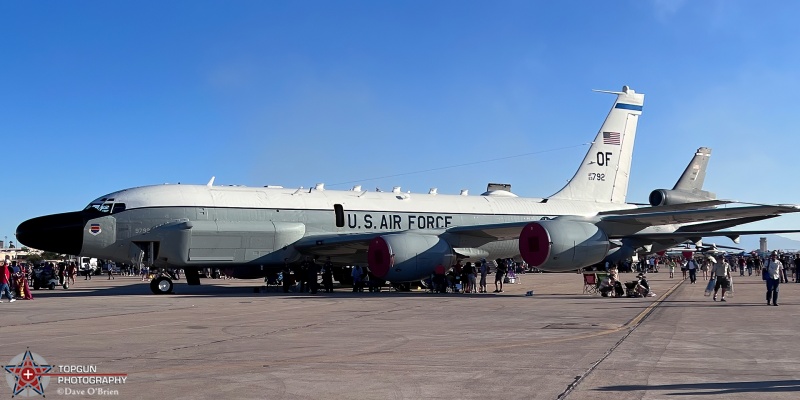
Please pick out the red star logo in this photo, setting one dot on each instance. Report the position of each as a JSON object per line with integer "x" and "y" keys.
{"x": 28, "y": 374}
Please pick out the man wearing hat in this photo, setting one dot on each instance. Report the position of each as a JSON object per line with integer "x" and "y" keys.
{"x": 774, "y": 272}
{"x": 722, "y": 271}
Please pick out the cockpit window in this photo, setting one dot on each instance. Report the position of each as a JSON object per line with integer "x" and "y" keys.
{"x": 106, "y": 207}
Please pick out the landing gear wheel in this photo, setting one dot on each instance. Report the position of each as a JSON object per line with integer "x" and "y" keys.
{"x": 161, "y": 285}
{"x": 65, "y": 285}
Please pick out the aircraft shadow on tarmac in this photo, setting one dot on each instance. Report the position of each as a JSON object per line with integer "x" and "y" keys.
{"x": 714, "y": 389}
{"x": 254, "y": 291}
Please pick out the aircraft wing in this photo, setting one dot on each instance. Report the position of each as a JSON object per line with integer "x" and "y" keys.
{"x": 357, "y": 244}
{"x": 702, "y": 215}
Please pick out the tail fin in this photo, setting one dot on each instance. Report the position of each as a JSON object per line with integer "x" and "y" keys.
{"x": 689, "y": 188}
{"x": 603, "y": 175}
{"x": 695, "y": 173}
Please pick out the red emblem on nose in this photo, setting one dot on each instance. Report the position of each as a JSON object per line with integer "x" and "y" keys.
{"x": 94, "y": 229}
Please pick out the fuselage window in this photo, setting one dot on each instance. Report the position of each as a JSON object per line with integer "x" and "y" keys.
{"x": 118, "y": 207}
{"x": 339, "y": 215}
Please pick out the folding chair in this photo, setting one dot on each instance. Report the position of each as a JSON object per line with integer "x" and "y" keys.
{"x": 590, "y": 283}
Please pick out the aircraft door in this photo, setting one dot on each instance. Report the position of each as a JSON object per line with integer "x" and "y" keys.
{"x": 338, "y": 212}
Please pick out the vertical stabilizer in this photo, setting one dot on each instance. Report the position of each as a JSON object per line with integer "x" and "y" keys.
{"x": 695, "y": 173}
{"x": 604, "y": 173}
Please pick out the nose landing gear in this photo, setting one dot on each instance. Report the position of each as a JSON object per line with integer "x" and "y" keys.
{"x": 161, "y": 284}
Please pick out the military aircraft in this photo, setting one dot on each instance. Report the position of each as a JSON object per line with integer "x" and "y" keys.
{"x": 688, "y": 190}
{"x": 401, "y": 237}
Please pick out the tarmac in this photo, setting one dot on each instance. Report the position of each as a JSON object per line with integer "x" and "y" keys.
{"x": 222, "y": 340}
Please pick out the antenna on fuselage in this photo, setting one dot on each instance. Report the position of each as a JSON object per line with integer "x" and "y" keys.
{"x": 211, "y": 181}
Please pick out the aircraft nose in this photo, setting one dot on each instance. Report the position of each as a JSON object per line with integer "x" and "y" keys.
{"x": 59, "y": 233}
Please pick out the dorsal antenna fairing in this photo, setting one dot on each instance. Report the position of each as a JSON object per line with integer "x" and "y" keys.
{"x": 211, "y": 181}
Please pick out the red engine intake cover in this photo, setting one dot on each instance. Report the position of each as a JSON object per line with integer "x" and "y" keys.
{"x": 534, "y": 244}
{"x": 379, "y": 257}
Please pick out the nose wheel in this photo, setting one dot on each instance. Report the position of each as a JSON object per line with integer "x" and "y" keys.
{"x": 161, "y": 285}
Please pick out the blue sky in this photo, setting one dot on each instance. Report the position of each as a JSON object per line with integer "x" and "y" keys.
{"x": 97, "y": 96}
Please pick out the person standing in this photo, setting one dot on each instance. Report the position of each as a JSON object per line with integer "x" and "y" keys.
{"x": 72, "y": 270}
{"x": 327, "y": 275}
{"x": 484, "y": 270}
{"x": 286, "y": 276}
{"x": 671, "y": 264}
{"x": 302, "y": 274}
{"x": 757, "y": 264}
{"x": 774, "y": 270}
{"x": 5, "y": 279}
{"x": 786, "y": 262}
{"x": 312, "y": 273}
{"x": 684, "y": 270}
{"x": 499, "y": 274}
{"x": 356, "y": 274}
{"x": 704, "y": 267}
{"x": 797, "y": 268}
{"x": 110, "y": 268}
{"x": 722, "y": 271}
{"x": 691, "y": 265}
{"x": 469, "y": 270}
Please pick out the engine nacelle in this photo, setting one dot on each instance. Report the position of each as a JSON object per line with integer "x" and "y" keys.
{"x": 405, "y": 257}
{"x": 562, "y": 245}
{"x": 664, "y": 197}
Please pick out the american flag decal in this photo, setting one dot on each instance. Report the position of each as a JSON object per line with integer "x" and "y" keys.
{"x": 611, "y": 138}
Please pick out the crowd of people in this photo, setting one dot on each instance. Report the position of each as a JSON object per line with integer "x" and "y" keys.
{"x": 612, "y": 286}
{"x": 14, "y": 281}
{"x": 466, "y": 277}
{"x": 309, "y": 275}
{"x": 773, "y": 267}
{"x": 473, "y": 277}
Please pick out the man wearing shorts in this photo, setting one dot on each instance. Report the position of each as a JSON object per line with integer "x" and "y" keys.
{"x": 722, "y": 271}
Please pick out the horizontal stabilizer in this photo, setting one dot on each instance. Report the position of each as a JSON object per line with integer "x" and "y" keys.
{"x": 689, "y": 216}
{"x": 674, "y": 207}
{"x": 724, "y": 224}
{"x": 698, "y": 235}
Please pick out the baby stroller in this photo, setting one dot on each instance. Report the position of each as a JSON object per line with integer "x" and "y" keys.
{"x": 630, "y": 289}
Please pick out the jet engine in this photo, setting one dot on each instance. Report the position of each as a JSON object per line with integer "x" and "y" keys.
{"x": 664, "y": 197}
{"x": 558, "y": 245}
{"x": 404, "y": 257}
